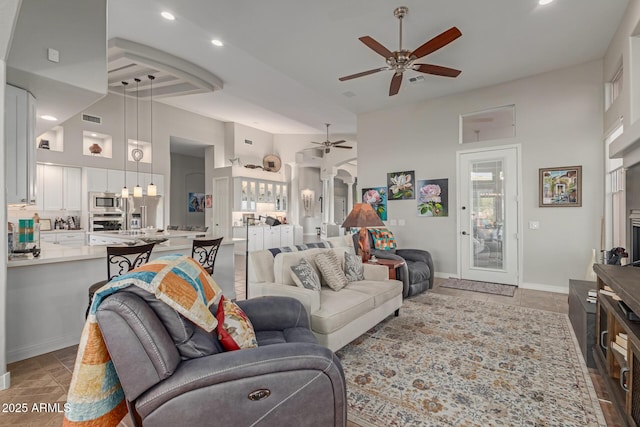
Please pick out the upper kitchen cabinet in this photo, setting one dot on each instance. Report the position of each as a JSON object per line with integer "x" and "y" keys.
{"x": 20, "y": 161}
{"x": 60, "y": 188}
{"x": 58, "y": 53}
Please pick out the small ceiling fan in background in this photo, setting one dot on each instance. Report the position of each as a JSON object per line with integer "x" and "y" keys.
{"x": 328, "y": 144}
{"x": 402, "y": 60}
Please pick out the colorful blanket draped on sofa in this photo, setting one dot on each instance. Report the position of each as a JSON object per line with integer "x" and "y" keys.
{"x": 382, "y": 238}
{"x": 95, "y": 396}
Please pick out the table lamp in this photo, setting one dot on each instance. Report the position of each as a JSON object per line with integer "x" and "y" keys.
{"x": 363, "y": 216}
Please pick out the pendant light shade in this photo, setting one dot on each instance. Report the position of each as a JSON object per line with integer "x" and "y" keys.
{"x": 137, "y": 153}
{"x": 152, "y": 190}
{"x": 125, "y": 191}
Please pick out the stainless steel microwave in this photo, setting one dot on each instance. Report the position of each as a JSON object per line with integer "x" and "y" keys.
{"x": 105, "y": 202}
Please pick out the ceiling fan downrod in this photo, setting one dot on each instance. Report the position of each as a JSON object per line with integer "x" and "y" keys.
{"x": 400, "y": 12}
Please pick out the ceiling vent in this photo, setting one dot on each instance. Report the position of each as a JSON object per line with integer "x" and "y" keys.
{"x": 91, "y": 119}
{"x": 173, "y": 76}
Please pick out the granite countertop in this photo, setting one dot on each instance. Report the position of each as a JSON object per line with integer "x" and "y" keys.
{"x": 51, "y": 253}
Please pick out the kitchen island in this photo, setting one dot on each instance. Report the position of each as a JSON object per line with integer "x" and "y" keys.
{"x": 47, "y": 296}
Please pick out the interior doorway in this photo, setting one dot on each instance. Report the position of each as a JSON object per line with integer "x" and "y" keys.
{"x": 488, "y": 216}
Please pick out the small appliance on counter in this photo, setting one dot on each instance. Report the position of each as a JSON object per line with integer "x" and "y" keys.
{"x": 27, "y": 240}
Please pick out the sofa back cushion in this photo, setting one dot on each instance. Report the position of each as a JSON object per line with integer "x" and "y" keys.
{"x": 283, "y": 262}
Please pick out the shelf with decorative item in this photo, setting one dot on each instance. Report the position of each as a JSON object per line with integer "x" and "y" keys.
{"x": 96, "y": 144}
{"x": 139, "y": 151}
{"x": 52, "y": 139}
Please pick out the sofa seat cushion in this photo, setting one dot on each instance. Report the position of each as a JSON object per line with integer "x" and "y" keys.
{"x": 338, "y": 309}
{"x": 381, "y": 291}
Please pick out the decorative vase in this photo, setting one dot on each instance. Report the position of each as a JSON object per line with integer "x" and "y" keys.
{"x": 95, "y": 149}
{"x": 591, "y": 275}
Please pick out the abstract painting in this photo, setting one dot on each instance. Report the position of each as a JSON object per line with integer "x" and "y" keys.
{"x": 196, "y": 202}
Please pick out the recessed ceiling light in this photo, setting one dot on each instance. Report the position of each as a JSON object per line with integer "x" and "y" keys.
{"x": 217, "y": 42}
{"x": 94, "y": 135}
{"x": 49, "y": 118}
{"x": 168, "y": 16}
{"x": 543, "y": 2}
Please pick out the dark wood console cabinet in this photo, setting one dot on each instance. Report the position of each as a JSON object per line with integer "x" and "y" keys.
{"x": 622, "y": 377}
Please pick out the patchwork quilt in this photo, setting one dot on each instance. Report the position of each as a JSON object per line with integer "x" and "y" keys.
{"x": 382, "y": 238}
{"x": 95, "y": 396}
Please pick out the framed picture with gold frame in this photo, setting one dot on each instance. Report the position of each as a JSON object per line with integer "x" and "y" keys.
{"x": 560, "y": 187}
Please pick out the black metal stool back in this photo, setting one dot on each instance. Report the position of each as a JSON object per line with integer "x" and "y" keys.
{"x": 205, "y": 252}
{"x": 120, "y": 260}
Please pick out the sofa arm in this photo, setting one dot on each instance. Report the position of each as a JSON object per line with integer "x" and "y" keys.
{"x": 275, "y": 313}
{"x": 375, "y": 272}
{"x": 310, "y": 299}
{"x": 281, "y": 376}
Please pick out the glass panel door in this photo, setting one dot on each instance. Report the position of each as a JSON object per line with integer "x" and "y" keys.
{"x": 489, "y": 216}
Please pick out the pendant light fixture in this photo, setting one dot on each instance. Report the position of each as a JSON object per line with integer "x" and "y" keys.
{"x": 137, "y": 152}
{"x": 125, "y": 191}
{"x": 152, "y": 190}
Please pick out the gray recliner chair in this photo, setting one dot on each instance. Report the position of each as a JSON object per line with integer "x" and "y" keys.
{"x": 174, "y": 373}
{"x": 417, "y": 274}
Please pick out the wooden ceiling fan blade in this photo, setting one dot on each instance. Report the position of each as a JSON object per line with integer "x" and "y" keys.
{"x": 341, "y": 146}
{"x": 362, "y": 74}
{"x": 396, "y": 82}
{"x": 319, "y": 143}
{"x": 376, "y": 46}
{"x": 342, "y": 141}
{"x": 437, "y": 42}
{"x": 437, "y": 70}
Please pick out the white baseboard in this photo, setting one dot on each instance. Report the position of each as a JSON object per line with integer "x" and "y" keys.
{"x": 446, "y": 275}
{"x": 53, "y": 344}
{"x": 5, "y": 381}
{"x": 546, "y": 288}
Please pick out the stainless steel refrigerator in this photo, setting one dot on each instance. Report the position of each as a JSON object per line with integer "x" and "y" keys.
{"x": 145, "y": 211}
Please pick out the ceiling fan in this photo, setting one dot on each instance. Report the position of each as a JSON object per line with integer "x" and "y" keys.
{"x": 328, "y": 144}
{"x": 402, "y": 60}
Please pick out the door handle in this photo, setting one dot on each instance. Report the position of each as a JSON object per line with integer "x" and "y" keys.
{"x": 464, "y": 233}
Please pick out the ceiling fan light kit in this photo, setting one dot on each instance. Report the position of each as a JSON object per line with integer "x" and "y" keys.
{"x": 327, "y": 145}
{"x": 402, "y": 60}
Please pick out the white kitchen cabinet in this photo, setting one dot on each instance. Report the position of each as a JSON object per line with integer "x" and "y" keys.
{"x": 115, "y": 180}
{"x": 97, "y": 180}
{"x": 61, "y": 188}
{"x": 20, "y": 146}
{"x": 72, "y": 188}
{"x": 256, "y": 239}
{"x": 271, "y": 237}
{"x": 64, "y": 238}
{"x": 286, "y": 235}
{"x": 40, "y": 186}
{"x": 244, "y": 195}
{"x": 53, "y": 188}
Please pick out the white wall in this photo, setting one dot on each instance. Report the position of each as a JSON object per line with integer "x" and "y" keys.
{"x": 625, "y": 49}
{"x": 558, "y": 123}
{"x": 167, "y": 122}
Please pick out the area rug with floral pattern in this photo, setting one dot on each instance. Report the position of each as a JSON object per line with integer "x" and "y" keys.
{"x": 447, "y": 361}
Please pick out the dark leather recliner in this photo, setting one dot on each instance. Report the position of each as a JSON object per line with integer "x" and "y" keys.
{"x": 417, "y": 274}
{"x": 174, "y": 373}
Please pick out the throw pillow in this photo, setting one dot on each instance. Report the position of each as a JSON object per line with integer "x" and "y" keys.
{"x": 353, "y": 268}
{"x": 235, "y": 330}
{"x": 329, "y": 266}
{"x": 305, "y": 276}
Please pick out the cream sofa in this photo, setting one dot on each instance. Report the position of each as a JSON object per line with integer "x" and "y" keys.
{"x": 336, "y": 317}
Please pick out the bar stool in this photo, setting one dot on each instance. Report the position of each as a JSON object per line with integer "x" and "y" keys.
{"x": 205, "y": 252}
{"x": 120, "y": 260}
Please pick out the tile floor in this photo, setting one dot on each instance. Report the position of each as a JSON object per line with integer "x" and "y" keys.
{"x": 45, "y": 378}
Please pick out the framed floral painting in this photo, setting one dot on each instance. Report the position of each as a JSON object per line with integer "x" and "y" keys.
{"x": 433, "y": 197}
{"x": 401, "y": 185}
{"x": 377, "y": 198}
